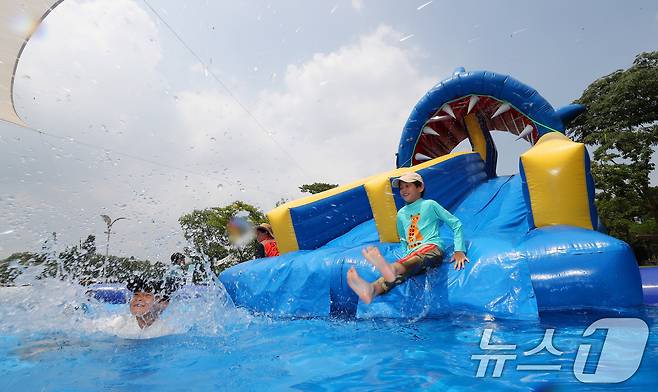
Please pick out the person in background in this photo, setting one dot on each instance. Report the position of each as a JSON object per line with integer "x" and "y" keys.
{"x": 266, "y": 246}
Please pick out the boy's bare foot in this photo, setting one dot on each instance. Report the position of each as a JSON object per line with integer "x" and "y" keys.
{"x": 375, "y": 258}
{"x": 363, "y": 289}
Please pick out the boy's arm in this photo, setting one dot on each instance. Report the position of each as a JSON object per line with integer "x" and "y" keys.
{"x": 459, "y": 255}
{"x": 260, "y": 251}
{"x": 456, "y": 226}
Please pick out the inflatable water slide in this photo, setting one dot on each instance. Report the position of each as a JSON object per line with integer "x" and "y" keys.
{"x": 533, "y": 239}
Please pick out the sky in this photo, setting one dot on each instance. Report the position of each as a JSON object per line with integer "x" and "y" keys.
{"x": 151, "y": 109}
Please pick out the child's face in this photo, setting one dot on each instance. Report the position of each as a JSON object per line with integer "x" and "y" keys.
{"x": 262, "y": 235}
{"x": 142, "y": 303}
{"x": 410, "y": 192}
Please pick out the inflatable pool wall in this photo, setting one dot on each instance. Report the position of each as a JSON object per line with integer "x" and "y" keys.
{"x": 532, "y": 238}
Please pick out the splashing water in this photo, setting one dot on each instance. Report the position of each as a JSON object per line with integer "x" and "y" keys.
{"x": 52, "y": 305}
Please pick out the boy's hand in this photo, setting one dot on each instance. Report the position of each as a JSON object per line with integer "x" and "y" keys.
{"x": 459, "y": 258}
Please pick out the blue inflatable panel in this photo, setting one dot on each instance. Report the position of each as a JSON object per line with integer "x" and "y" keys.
{"x": 650, "y": 285}
{"x": 572, "y": 267}
{"x": 340, "y": 213}
{"x": 295, "y": 284}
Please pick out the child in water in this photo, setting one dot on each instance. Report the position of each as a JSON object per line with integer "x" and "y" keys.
{"x": 418, "y": 225}
{"x": 150, "y": 299}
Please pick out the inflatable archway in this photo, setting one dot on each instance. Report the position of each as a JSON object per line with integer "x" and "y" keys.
{"x": 471, "y": 105}
{"x": 532, "y": 237}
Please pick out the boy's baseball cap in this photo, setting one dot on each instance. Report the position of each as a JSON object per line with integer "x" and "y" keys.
{"x": 407, "y": 177}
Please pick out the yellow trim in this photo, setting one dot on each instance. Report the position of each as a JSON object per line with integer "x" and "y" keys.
{"x": 284, "y": 231}
{"x": 557, "y": 183}
{"x": 380, "y": 197}
{"x": 479, "y": 144}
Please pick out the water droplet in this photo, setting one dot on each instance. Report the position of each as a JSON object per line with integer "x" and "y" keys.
{"x": 420, "y": 7}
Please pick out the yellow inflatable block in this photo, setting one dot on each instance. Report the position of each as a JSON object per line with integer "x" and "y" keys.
{"x": 476, "y": 135}
{"x": 557, "y": 184}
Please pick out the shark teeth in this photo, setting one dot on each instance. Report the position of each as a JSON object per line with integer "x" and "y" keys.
{"x": 501, "y": 109}
{"x": 526, "y": 131}
{"x": 471, "y": 103}
{"x": 421, "y": 157}
{"x": 447, "y": 109}
{"x": 430, "y": 131}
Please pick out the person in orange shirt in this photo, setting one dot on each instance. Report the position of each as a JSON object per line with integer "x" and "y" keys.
{"x": 266, "y": 243}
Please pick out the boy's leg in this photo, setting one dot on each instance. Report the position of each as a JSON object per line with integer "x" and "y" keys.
{"x": 414, "y": 264}
{"x": 392, "y": 274}
{"x": 366, "y": 291}
{"x": 374, "y": 257}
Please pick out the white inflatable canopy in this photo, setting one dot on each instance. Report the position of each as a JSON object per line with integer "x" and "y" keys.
{"x": 19, "y": 19}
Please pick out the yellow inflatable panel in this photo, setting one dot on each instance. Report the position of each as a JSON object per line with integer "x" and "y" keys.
{"x": 284, "y": 231}
{"x": 380, "y": 195}
{"x": 556, "y": 181}
{"x": 476, "y": 135}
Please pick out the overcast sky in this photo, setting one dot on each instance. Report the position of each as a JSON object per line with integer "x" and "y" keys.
{"x": 287, "y": 93}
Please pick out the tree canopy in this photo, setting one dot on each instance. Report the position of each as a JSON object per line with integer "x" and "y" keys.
{"x": 79, "y": 263}
{"x": 621, "y": 124}
{"x": 316, "y": 187}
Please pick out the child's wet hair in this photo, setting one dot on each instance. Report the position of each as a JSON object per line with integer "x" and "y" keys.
{"x": 162, "y": 288}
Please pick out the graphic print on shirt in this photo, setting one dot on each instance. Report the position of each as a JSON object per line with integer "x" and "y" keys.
{"x": 414, "y": 236}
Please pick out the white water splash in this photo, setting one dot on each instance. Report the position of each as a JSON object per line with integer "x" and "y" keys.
{"x": 50, "y": 306}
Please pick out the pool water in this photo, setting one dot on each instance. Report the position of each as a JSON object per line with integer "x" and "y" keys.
{"x": 234, "y": 350}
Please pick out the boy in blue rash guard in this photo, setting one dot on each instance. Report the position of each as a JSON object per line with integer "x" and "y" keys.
{"x": 418, "y": 224}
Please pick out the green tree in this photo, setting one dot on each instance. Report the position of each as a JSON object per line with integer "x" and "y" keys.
{"x": 281, "y": 201}
{"x": 621, "y": 124}
{"x": 79, "y": 264}
{"x": 316, "y": 187}
{"x": 12, "y": 266}
{"x": 206, "y": 230}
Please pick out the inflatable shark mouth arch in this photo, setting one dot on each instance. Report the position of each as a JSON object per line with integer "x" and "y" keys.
{"x": 471, "y": 105}
{"x": 533, "y": 239}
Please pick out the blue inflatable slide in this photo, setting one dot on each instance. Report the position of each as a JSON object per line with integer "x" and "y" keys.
{"x": 533, "y": 239}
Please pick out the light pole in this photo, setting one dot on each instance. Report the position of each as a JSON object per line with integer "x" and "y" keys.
{"x": 109, "y": 222}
